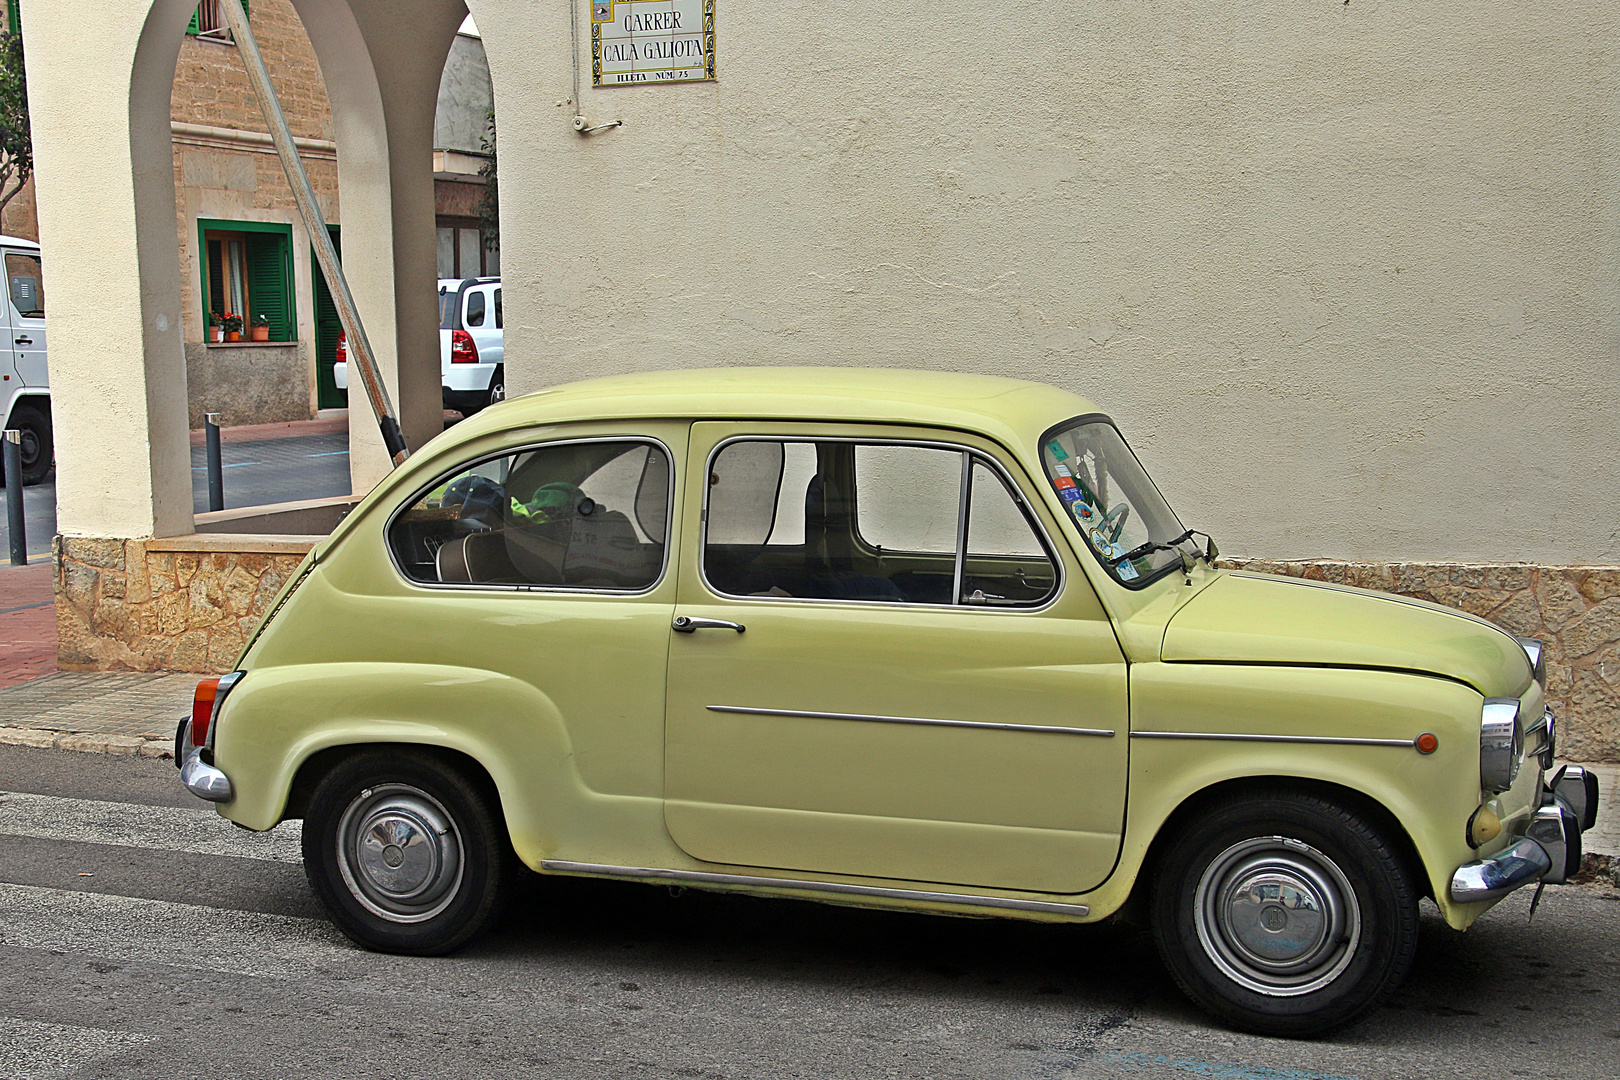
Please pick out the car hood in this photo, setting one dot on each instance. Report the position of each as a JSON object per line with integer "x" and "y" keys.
{"x": 1268, "y": 619}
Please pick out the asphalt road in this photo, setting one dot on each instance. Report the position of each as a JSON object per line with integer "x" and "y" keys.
{"x": 142, "y": 936}
{"x": 254, "y": 473}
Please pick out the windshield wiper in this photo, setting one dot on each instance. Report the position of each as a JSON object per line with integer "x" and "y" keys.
{"x": 1209, "y": 554}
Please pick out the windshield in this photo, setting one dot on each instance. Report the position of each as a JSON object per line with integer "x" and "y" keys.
{"x": 1111, "y": 499}
{"x": 447, "y": 308}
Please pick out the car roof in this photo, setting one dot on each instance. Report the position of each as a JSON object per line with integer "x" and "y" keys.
{"x": 1011, "y": 411}
{"x": 17, "y": 241}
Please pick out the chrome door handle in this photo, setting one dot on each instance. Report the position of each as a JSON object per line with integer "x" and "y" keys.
{"x": 686, "y": 624}
{"x": 23, "y": 341}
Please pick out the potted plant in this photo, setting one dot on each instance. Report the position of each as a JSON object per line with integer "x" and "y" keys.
{"x": 216, "y": 332}
{"x": 261, "y": 327}
{"x": 233, "y": 326}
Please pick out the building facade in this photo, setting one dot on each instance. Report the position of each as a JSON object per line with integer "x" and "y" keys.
{"x": 1345, "y": 274}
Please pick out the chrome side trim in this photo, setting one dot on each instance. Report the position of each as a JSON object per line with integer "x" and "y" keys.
{"x": 203, "y": 780}
{"x": 1223, "y": 736}
{"x": 700, "y": 877}
{"x": 1495, "y": 877}
{"x": 1043, "y": 729}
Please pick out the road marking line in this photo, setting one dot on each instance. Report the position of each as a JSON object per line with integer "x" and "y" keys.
{"x": 330, "y": 453}
{"x": 36, "y": 1048}
{"x": 163, "y": 828}
{"x": 139, "y": 931}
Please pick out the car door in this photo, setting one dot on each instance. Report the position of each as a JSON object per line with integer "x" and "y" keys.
{"x": 25, "y": 288}
{"x": 921, "y": 685}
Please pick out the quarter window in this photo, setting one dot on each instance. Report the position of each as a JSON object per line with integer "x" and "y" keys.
{"x": 584, "y": 515}
{"x": 881, "y": 522}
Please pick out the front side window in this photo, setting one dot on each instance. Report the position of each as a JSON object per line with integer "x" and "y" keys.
{"x": 1123, "y": 518}
{"x": 26, "y": 285}
{"x": 882, "y": 522}
{"x": 582, "y": 515}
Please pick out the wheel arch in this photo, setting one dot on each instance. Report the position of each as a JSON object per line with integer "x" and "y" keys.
{"x": 1377, "y": 814}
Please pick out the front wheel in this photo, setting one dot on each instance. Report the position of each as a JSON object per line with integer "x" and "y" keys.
{"x": 1285, "y": 913}
{"x": 38, "y": 451}
{"x": 407, "y": 854}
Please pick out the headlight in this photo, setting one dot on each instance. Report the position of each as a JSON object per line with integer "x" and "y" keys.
{"x": 1501, "y": 744}
{"x": 1538, "y": 659}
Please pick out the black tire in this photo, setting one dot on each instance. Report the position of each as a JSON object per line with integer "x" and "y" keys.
{"x": 1250, "y": 869}
{"x": 497, "y": 387}
{"x": 38, "y": 451}
{"x": 429, "y": 895}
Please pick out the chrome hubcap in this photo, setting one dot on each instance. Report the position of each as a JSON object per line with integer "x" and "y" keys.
{"x": 1277, "y": 916}
{"x": 400, "y": 853}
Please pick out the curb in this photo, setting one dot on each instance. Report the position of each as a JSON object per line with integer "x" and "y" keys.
{"x": 87, "y": 742}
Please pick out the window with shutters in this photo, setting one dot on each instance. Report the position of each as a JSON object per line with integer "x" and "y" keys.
{"x": 208, "y": 21}
{"x": 248, "y": 273}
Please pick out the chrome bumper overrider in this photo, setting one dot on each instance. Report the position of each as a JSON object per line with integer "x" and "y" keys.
{"x": 1549, "y": 851}
{"x": 200, "y": 777}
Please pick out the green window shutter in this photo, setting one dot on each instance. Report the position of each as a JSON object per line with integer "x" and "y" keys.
{"x": 269, "y": 283}
{"x": 196, "y": 22}
{"x": 213, "y": 299}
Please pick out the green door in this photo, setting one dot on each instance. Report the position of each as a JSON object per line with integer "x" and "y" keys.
{"x": 327, "y": 329}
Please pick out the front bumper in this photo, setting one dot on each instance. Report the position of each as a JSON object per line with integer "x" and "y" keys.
{"x": 1549, "y": 851}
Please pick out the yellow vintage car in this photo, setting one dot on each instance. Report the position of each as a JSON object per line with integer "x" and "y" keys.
{"x": 888, "y": 638}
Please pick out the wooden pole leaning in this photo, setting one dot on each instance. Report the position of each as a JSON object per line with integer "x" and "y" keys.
{"x": 360, "y": 354}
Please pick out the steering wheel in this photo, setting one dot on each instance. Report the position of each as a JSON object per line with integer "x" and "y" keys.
{"x": 1123, "y": 512}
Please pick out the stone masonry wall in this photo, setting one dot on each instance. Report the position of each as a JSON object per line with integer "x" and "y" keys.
{"x": 134, "y": 605}
{"x": 189, "y": 603}
{"x": 1575, "y": 610}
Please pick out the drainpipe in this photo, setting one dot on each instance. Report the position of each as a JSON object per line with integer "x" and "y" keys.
{"x": 360, "y": 354}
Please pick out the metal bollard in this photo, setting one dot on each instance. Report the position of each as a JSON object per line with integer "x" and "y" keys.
{"x": 216, "y": 471}
{"x": 11, "y": 452}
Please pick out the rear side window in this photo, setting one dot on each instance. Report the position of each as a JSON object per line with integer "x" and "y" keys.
{"x": 583, "y": 515}
{"x": 880, "y": 522}
{"x": 475, "y": 308}
{"x": 447, "y": 309}
{"x": 498, "y": 321}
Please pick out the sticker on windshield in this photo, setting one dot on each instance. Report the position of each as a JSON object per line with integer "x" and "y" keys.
{"x": 1127, "y": 572}
{"x": 1061, "y": 469}
{"x": 1069, "y": 494}
{"x": 1057, "y": 451}
{"x": 1064, "y": 482}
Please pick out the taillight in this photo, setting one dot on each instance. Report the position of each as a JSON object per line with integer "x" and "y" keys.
{"x": 202, "y": 710}
{"x": 205, "y": 703}
{"x": 343, "y": 347}
{"x": 462, "y": 349}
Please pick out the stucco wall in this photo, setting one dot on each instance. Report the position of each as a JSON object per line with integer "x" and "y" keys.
{"x": 465, "y": 98}
{"x": 248, "y": 383}
{"x": 1346, "y": 274}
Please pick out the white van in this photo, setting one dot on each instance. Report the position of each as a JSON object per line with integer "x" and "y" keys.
{"x": 25, "y": 387}
{"x": 472, "y": 350}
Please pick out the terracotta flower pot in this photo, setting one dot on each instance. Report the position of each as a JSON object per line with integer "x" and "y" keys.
{"x": 261, "y": 333}
{"x": 216, "y": 333}
{"x": 233, "y": 335}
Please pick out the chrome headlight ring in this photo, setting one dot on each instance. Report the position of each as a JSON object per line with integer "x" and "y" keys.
{"x": 1501, "y": 744}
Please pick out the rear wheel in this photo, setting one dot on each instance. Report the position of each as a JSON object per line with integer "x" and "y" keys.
{"x": 407, "y": 854}
{"x": 37, "y": 451}
{"x": 1284, "y": 913}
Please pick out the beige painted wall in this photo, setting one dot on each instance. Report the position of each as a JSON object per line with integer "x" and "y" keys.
{"x": 1346, "y": 274}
